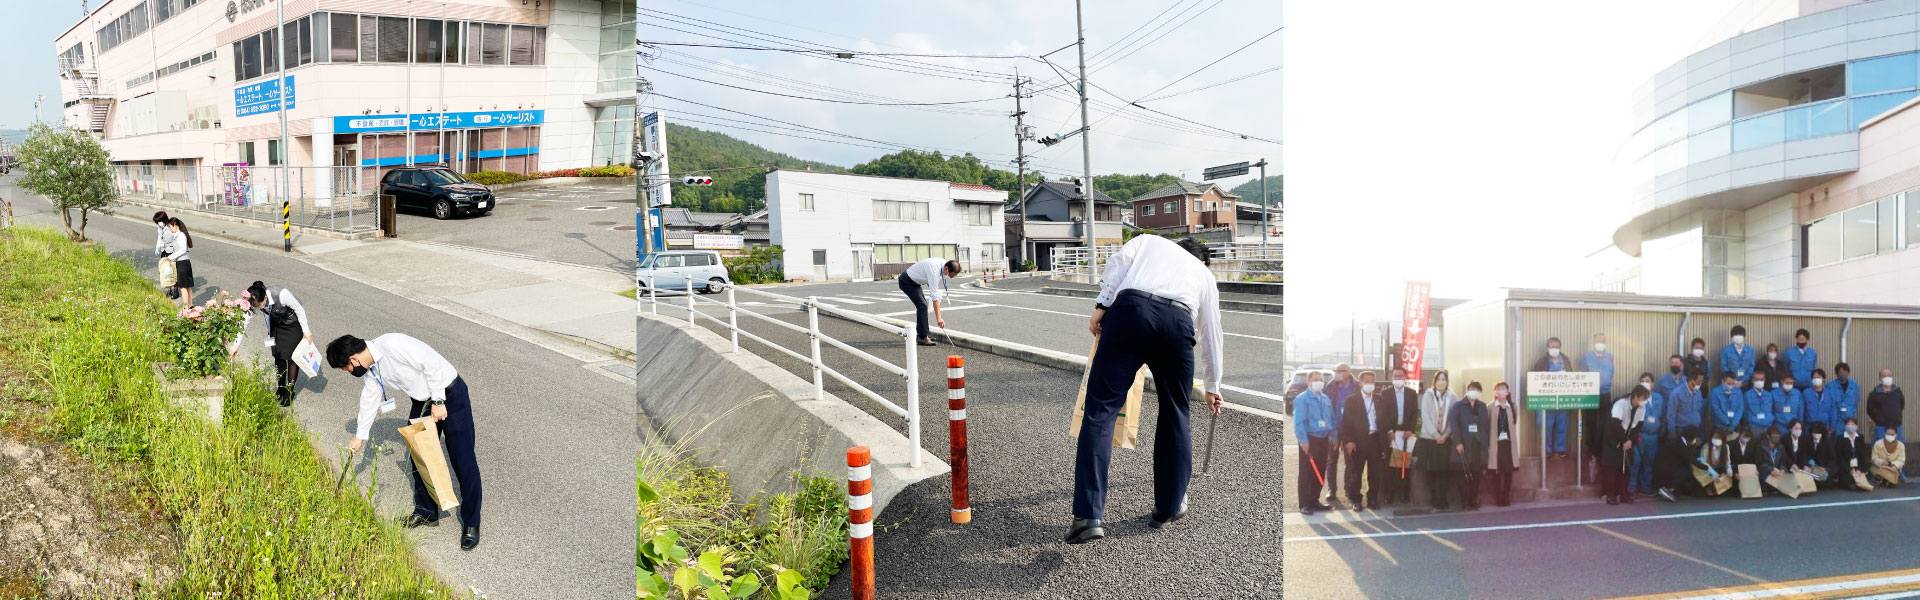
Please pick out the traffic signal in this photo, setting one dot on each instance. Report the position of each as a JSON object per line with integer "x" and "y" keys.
{"x": 697, "y": 180}
{"x": 1079, "y": 188}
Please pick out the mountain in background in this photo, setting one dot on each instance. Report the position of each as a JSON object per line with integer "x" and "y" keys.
{"x": 1250, "y": 191}
{"x": 741, "y": 190}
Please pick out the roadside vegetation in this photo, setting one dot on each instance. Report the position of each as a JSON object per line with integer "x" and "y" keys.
{"x": 505, "y": 177}
{"x": 254, "y": 510}
{"x": 695, "y": 541}
{"x": 759, "y": 265}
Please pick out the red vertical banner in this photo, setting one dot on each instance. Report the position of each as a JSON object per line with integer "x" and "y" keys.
{"x": 1413, "y": 328}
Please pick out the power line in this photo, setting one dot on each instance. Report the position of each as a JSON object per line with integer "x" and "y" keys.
{"x": 748, "y": 89}
{"x": 1112, "y": 60}
{"x": 1215, "y": 62}
{"x": 804, "y": 86}
{"x": 768, "y": 37}
{"x": 848, "y": 54}
{"x": 894, "y": 145}
{"x": 896, "y": 65}
{"x": 1214, "y": 85}
{"x": 1163, "y": 12}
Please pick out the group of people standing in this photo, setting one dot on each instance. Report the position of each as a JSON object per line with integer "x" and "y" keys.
{"x": 1668, "y": 436}
{"x": 1384, "y": 434}
{"x": 172, "y": 245}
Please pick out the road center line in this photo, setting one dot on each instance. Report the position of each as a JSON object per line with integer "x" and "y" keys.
{"x": 1581, "y": 522}
{"x": 1084, "y": 316}
{"x": 945, "y": 309}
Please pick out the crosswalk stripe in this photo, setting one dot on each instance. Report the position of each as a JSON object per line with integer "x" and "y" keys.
{"x": 843, "y": 299}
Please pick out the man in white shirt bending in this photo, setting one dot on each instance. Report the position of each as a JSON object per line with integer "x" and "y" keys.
{"x": 412, "y": 368}
{"x": 930, "y": 274}
{"x": 1157, "y": 301}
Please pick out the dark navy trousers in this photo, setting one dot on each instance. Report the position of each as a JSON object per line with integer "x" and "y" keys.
{"x": 456, "y": 434}
{"x": 1137, "y": 331}
{"x": 912, "y": 289}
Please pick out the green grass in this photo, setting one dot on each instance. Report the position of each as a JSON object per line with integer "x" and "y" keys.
{"x": 253, "y": 504}
{"x": 632, "y": 293}
{"x": 803, "y": 528}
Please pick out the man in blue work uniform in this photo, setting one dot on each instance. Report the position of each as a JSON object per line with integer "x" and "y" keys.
{"x": 1819, "y": 406}
{"x": 1554, "y": 422}
{"x": 1597, "y": 360}
{"x": 1737, "y": 357}
{"x": 1789, "y": 405}
{"x": 1843, "y": 394}
{"x": 1802, "y": 359}
{"x": 1685, "y": 404}
{"x": 1343, "y": 385}
{"x": 1675, "y": 378}
{"x": 1647, "y": 444}
{"x": 1727, "y": 405}
{"x": 1760, "y": 401}
{"x": 1312, "y": 425}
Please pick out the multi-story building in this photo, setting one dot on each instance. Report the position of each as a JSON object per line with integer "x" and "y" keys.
{"x": 1779, "y": 162}
{"x": 478, "y": 84}
{"x": 839, "y": 226}
{"x": 1056, "y": 218}
{"x": 1186, "y": 207}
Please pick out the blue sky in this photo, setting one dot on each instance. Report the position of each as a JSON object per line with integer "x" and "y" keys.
{"x": 27, "y": 35}
{"x": 1217, "y": 27}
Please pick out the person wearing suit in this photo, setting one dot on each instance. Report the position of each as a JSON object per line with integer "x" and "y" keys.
{"x": 1432, "y": 452}
{"x": 1363, "y": 435}
{"x": 414, "y": 369}
{"x": 1674, "y": 470}
{"x": 1403, "y": 424}
{"x": 1502, "y": 460}
{"x": 1472, "y": 426}
{"x": 1851, "y": 454}
{"x": 1745, "y": 447}
{"x": 286, "y": 328}
{"x": 1158, "y": 303}
{"x": 1769, "y": 455}
{"x": 1621, "y": 432}
{"x": 1774, "y": 366}
{"x": 1343, "y": 385}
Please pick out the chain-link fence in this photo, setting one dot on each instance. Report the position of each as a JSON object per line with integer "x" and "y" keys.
{"x": 339, "y": 199}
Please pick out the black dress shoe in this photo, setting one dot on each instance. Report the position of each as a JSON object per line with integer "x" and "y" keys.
{"x": 1612, "y": 501}
{"x": 1306, "y": 510}
{"x": 1085, "y": 530}
{"x": 1158, "y": 520}
{"x": 415, "y": 520}
{"x": 470, "y": 537}
{"x": 1373, "y": 506}
{"x": 927, "y": 342}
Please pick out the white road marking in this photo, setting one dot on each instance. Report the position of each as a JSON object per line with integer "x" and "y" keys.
{"x": 1083, "y": 316}
{"x": 943, "y": 309}
{"x": 1584, "y": 522}
{"x": 1795, "y": 591}
{"x": 842, "y": 300}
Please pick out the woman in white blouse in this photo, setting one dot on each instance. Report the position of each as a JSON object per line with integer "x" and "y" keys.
{"x": 1430, "y": 453}
{"x": 177, "y": 253}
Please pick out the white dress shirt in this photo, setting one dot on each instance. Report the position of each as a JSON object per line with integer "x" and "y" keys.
{"x": 284, "y": 297}
{"x": 1154, "y": 265}
{"x": 407, "y": 365}
{"x": 161, "y": 238}
{"x": 931, "y": 274}
{"x": 177, "y": 248}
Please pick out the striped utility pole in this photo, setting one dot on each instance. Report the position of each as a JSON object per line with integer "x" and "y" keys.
{"x": 860, "y": 520}
{"x": 957, "y": 435}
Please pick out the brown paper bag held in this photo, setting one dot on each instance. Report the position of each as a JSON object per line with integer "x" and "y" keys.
{"x": 1888, "y": 475}
{"x": 1785, "y": 482}
{"x": 1722, "y": 483}
{"x": 1860, "y": 481}
{"x": 166, "y": 274}
{"x": 1808, "y": 484}
{"x": 1749, "y": 481}
{"x": 423, "y": 443}
{"x": 1126, "y": 428}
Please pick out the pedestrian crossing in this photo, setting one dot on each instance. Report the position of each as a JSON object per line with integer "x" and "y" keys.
{"x": 867, "y": 299}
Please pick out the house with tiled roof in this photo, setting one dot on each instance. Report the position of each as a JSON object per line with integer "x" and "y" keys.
{"x": 1185, "y": 207}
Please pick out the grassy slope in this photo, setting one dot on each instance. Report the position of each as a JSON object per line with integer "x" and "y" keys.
{"x": 253, "y": 504}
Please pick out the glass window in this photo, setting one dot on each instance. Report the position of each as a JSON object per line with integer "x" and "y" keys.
{"x": 1710, "y": 112}
{"x": 273, "y": 152}
{"x": 1817, "y": 120}
{"x": 474, "y": 39}
{"x": 1712, "y": 143}
{"x": 1823, "y": 242}
{"x": 819, "y": 257}
{"x": 1670, "y": 127}
{"x": 427, "y": 35}
{"x": 1764, "y": 130}
{"x": 393, "y": 39}
{"x": 302, "y": 42}
{"x": 493, "y": 49}
{"x": 920, "y": 211}
{"x": 344, "y": 31}
{"x": 1910, "y": 207}
{"x": 1146, "y": 210}
{"x": 1859, "y": 231}
{"x": 452, "y": 38}
{"x": 239, "y": 66}
{"x": 369, "y": 38}
{"x": 528, "y": 45}
{"x": 246, "y": 153}
{"x": 1871, "y": 106}
{"x": 806, "y": 202}
{"x": 269, "y": 52}
{"x": 249, "y": 58}
{"x": 1897, "y": 72}
{"x": 1169, "y": 208}
{"x": 1888, "y": 217}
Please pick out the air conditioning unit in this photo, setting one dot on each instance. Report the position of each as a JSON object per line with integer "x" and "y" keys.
{"x": 206, "y": 124}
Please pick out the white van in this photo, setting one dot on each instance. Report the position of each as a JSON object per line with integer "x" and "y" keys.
{"x": 670, "y": 271}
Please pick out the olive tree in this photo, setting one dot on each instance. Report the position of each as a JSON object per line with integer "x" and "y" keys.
{"x": 70, "y": 168}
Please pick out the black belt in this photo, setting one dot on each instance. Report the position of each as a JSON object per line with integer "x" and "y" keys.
{"x": 1155, "y": 298}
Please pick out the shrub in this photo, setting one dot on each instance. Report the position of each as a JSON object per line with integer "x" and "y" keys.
{"x": 760, "y": 265}
{"x": 496, "y": 177}
{"x": 196, "y": 337}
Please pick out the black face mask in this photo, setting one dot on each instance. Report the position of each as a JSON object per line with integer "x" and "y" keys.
{"x": 1674, "y": 370}
{"x": 1800, "y": 344}
{"x": 358, "y": 371}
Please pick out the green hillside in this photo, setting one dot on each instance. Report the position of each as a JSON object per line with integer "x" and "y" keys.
{"x": 1250, "y": 191}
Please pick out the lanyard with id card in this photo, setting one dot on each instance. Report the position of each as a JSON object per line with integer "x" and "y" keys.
{"x": 386, "y": 403}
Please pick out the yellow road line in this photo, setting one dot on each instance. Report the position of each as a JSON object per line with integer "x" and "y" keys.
{"x": 1822, "y": 588}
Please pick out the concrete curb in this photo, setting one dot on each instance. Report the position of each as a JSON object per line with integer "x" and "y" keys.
{"x": 690, "y": 373}
{"x": 1262, "y": 307}
{"x": 298, "y": 229}
{"x": 557, "y": 180}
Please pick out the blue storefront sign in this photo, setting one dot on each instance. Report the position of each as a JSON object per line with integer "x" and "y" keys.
{"x": 262, "y": 97}
{"x": 461, "y": 120}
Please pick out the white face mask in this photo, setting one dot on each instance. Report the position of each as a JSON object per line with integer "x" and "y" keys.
{"x": 1776, "y": 385}
{"x": 1699, "y": 352}
{"x": 1716, "y": 441}
{"x": 1473, "y": 394}
{"x": 1366, "y": 388}
{"x": 1739, "y": 340}
{"x": 1317, "y": 385}
{"x": 1886, "y": 381}
{"x": 1853, "y": 429}
{"x": 1599, "y": 346}
{"x": 1773, "y": 355}
{"x": 1399, "y": 383}
{"x": 1817, "y": 436}
{"x": 1647, "y": 384}
{"x": 1891, "y": 437}
{"x": 1817, "y": 381}
{"x": 1554, "y": 352}
{"x": 1796, "y": 433}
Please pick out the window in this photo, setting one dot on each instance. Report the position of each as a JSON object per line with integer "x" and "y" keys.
{"x": 897, "y": 210}
{"x": 909, "y": 253}
{"x": 528, "y": 45}
{"x": 452, "y": 49}
{"x": 273, "y": 152}
{"x": 819, "y": 257}
{"x": 1823, "y": 242}
{"x": 1172, "y": 207}
{"x": 699, "y": 260}
{"x": 269, "y": 52}
{"x": 493, "y": 44}
{"x": 1868, "y": 107}
{"x": 393, "y": 39}
{"x": 167, "y": 9}
{"x": 344, "y": 31}
{"x": 124, "y": 28}
{"x": 806, "y": 202}
{"x": 246, "y": 152}
{"x": 1858, "y": 232}
{"x": 993, "y": 251}
{"x": 1897, "y": 72}
{"x": 369, "y": 38}
{"x": 979, "y": 214}
{"x": 1888, "y": 219}
{"x": 247, "y": 59}
{"x": 667, "y": 261}
{"x": 1146, "y": 210}
{"x": 427, "y": 35}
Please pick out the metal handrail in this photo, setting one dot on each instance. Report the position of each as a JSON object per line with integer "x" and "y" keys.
{"x": 909, "y": 369}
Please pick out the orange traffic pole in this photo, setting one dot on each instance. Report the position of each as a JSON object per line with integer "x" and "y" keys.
{"x": 957, "y": 435}
{"x": 860, "y": 520}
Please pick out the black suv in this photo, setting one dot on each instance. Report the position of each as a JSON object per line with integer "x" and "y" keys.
{"x": 437, "y": 189}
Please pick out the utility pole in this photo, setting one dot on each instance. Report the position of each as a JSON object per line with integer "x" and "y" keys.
{"x": 1086, "y": 147}
{"x": 407, "y": 110}
{"x": 1265, "y": 222}
{"x": 286, "y": 102}
{"x": 1020, "y": 174}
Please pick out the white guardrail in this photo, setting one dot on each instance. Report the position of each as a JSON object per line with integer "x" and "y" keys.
{"x": 908, "y": 369}
{"x": 1231, "y": 262}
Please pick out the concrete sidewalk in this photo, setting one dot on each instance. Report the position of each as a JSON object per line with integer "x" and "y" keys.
{"x": 574, "y": 302}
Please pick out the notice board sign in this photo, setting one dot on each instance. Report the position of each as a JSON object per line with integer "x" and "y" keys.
{"x": 1562, "y": 390}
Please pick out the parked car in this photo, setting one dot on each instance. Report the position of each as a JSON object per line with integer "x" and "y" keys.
{"x": 1297, "y": 382}
{"x": 438, "y": 190}
{"x": 671, "y": 270}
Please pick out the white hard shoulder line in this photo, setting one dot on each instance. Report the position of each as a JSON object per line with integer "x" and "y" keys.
{"x": 1582, "y": 522}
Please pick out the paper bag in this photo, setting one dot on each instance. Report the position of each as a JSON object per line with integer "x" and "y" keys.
{"x": 1807, "y": 482}
{"x": 1860, "y": 481}
{"x": 1887, "y": 474}
{"x": 1785, "y": 482}
{"x": 308, "y": 357}
{"x": 1819, "y": 473}
{"x": 1700, "y": 475}
{"x": 166, "y": 275}
{"x": 1722, "y": 483}
{"x": 1126, "y": 427}
{"x": 1749, "y": 481}
{"x": 1402, "y": 454}
{"x": 423, "y": 443}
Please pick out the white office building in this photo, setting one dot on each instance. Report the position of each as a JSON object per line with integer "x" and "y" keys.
{"x": 838, "y": 226}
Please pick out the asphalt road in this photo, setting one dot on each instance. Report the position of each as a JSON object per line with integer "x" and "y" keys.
{"x": 1022, "y": 478}
{"x": 555, "y": 439}
{"x": 1585, "y": 550}
{"x": 583, "y": 224}
{"x": 1252, "y": 340}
